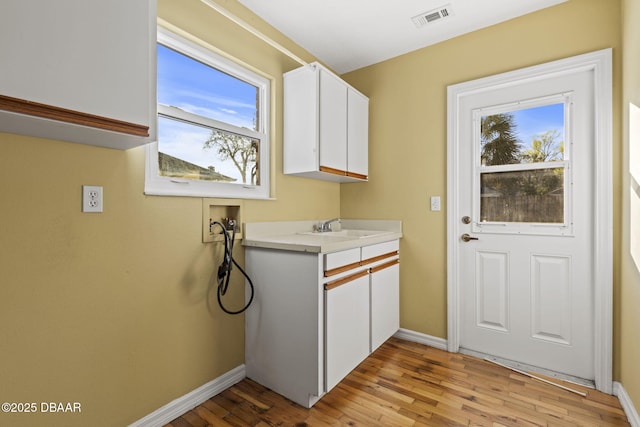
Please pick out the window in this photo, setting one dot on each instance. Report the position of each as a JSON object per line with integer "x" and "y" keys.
{"x": 522, "y": 167}
{"x": 212, "y": 125}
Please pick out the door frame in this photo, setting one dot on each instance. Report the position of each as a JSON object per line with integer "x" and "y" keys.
{"x": 600, "y": 62}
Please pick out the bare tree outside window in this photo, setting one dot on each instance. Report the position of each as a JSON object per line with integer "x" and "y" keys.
{"x": 241, "y": 150}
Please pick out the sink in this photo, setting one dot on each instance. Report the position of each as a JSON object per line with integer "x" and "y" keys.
{"x": 353, "y": 233}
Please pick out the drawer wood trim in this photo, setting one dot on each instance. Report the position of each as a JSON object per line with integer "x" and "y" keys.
{"x": 345, "y": 280}
{"x": 22, "y": 106}
{"x": 342, "y": 269}
{"x": 379, "y": 258}
{"x": 385, "y": 265}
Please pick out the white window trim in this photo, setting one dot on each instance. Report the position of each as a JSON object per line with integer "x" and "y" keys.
{"x": 157, "y": 185}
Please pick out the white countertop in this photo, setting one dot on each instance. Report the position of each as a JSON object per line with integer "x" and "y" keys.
{"x": 299, "y": 235}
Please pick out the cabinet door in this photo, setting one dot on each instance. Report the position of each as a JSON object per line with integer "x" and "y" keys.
{"x": 333, "y": 122}
{"x": 300, "y": 127}
{"x": 385, "y": 302}
{"x": 95, "y": 58}
{"x": 358, "y": 135}
{"x": 346, "y": 328}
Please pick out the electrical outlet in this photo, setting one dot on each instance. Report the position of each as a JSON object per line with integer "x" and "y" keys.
{"x": 91, "y": 198}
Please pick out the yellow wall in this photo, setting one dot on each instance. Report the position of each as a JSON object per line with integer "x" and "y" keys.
{"x": 408, "y": 136}
{"x": 629, "y": 295}
{"x": 110, "y": 310}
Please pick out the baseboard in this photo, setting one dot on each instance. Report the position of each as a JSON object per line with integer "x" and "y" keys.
{"x": 431, "y": 341}
{"x": 183, "y": 404}
{"x": 627, "y": 404}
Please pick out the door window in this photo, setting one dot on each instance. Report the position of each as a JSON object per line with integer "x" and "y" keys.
{"x": 522, "y": 177}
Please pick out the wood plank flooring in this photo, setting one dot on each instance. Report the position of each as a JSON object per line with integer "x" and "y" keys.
{"x": 409, "y": 384}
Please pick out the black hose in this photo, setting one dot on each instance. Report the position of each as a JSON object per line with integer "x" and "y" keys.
{"x": 224, "y": 270}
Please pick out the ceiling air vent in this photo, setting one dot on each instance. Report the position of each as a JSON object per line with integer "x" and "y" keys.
{"x": 432, "y": 16}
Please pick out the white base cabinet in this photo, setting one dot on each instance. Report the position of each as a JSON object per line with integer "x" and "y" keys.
{"x": 315, "y": 317}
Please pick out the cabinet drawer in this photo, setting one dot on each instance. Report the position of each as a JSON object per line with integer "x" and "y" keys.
{"x": 380, "y": 249}
{"x": 338, "y": 262}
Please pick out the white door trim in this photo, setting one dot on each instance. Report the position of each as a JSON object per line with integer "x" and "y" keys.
{"x": 601, "y": 64}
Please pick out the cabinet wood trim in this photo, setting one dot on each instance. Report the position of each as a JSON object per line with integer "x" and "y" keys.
{"x": 357, "y": 175}
{"x": 342, "y": 269}
{"x": 23, "y": 106}
{"x": 333, "y": 171}
{"x": 379, "y": 258}
{"x": 385, "y": 265}
{"x": 345, "y": 280}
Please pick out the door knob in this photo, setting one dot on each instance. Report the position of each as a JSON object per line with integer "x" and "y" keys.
{"x": 466, "y": 237}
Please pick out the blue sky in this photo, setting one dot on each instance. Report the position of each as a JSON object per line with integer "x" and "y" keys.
{"x": 534, "y": 121}
{"x": 223, "y": 98}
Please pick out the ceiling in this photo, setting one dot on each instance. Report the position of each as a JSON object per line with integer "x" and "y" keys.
{"x": 351, "y": 34}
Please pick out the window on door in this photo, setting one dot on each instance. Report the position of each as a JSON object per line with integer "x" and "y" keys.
{"x": 523, "y": 167}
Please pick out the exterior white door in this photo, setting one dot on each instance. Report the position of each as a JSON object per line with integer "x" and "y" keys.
{"x": 523, "y": 207}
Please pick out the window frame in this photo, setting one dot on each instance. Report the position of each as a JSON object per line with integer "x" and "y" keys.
{"x": 530, "y": 228}
{"x": 158, "y": 185}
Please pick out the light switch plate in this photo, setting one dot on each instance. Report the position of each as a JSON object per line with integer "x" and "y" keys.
{"x": 435, "y": 203}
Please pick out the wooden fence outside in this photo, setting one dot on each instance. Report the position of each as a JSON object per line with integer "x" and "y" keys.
{"x": 547, "y": 208}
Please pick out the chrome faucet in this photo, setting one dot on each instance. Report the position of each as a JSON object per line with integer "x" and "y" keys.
{"x": 325, "y": 226}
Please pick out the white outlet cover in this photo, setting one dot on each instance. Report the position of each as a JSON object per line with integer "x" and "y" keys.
{"x": 92, "y": 198}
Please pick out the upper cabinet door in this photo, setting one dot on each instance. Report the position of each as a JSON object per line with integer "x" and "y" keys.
{"x": 325, "y": 126}
{"x": 333, "y": 122}
{"x": 89, "y": 64}
{"x": 358, "y": 135}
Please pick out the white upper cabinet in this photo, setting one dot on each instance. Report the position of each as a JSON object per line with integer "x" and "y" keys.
{"x": 79, "y": 70}
{"x": 326, "y": 124}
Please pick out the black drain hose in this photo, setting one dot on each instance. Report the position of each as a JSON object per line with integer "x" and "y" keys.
{"x": 224, "y": 270}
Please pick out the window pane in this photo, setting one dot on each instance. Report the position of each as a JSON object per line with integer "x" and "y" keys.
{"x": 532, "y": 135}
{"x": 535, "y": 196}
{"x": 196, "y": 152}
{"x": 200, "y": 89}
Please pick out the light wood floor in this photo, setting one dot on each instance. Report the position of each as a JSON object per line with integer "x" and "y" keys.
{"x": 408, "y": 384}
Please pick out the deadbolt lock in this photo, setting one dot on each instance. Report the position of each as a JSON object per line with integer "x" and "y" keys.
{"x": 466, "y": 220}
